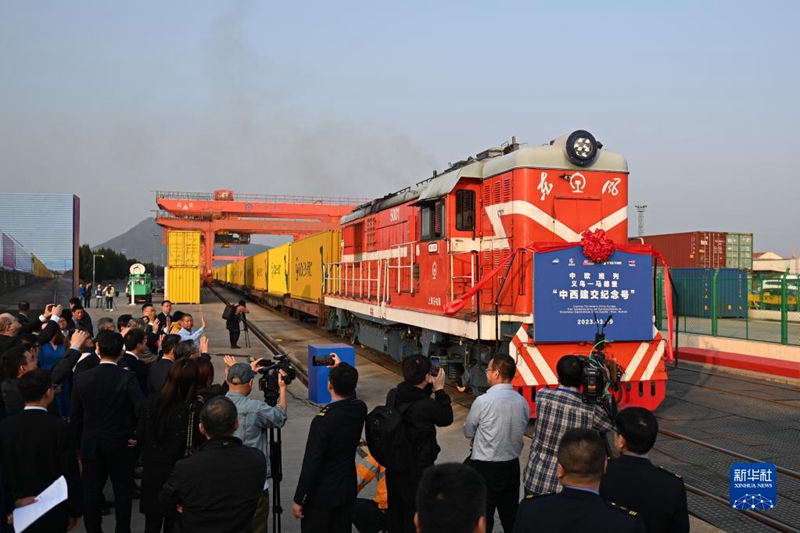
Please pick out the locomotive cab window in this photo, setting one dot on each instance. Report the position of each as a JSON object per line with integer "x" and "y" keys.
{"x": 465, "y": 210}
{"x": 432, "y": 221}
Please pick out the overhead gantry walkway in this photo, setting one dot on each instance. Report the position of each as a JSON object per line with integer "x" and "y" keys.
{"x": 228, "y": 218}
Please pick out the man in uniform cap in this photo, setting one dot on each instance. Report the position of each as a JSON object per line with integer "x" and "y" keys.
{"x": 326, "y": 489}
{"x": 633, "y": 481}
{"x": 578, "y": 507}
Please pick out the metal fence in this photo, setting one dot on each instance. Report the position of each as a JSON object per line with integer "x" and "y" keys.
{"x": 759, "y": 306}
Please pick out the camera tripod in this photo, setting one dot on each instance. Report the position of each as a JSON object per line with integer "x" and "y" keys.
{"x": 276, "y": 464}
{"x": 246, "y": 332}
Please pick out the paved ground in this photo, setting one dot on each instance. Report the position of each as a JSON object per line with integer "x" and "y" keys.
{"x": 374, "y": 381}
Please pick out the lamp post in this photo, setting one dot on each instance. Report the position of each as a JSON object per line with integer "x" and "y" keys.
{"x": 95, "y": 256}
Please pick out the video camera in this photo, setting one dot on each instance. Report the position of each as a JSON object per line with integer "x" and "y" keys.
{"x": 600, "y": 375}
{"x": 268, "y": 382}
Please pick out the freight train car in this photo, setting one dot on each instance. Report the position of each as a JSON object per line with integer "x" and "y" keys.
{"x": 521, "y": 250}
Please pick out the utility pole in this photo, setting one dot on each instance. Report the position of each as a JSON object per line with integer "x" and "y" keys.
{"x": 640, "y": 209}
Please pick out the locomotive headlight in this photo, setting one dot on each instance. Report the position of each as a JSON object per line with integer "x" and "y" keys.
{"x": 581, "y": 148}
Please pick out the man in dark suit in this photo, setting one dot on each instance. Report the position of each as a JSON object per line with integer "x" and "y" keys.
{"x": 217, "y": 488}
{"x": 326, "y": 490}
{"x": 90, "y": 359}
{"x": 104, "y": 400}
{"x": 17, "y": 362}
{"x": 23, "y": 310}
{"x": 159, "y": 370}
{"x": 578, "y": 507}
{"x": 81, "y": 319}
{"x": 633, "y": 481}
{"x": 165, "y": 316}
{"x": 36, "y": 448}
{"x": 451, "y": 497}
{"x": 10, "y": 327}
{"x": 130, "y": 360}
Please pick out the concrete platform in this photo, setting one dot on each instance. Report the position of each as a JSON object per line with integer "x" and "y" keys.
{"x": 374, "y": 381}
{"x": 751, "y": 363}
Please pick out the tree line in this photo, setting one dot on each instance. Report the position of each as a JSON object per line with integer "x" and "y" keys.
{"x": 113, "y": 265}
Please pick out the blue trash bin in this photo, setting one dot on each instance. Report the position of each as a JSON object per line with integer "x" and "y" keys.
{"x": 318, "y": 360}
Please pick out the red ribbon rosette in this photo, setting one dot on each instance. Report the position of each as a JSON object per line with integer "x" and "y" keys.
{"x": 596, "y": 246}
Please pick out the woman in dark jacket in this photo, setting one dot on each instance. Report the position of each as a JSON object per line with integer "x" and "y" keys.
{"x": 168, "y": 431}
{"x": 206, "y": 389}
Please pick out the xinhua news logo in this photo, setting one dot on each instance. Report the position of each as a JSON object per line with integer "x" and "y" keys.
{"x": 753, "y": 486}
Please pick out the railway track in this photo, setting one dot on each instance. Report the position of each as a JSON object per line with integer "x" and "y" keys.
{"x": 773, "y": 384}
{"x": 740, "y": 394}
{"x": 790, "y": 394}
{"x": 267, "y": 341}
{"x": 767, "y": 520}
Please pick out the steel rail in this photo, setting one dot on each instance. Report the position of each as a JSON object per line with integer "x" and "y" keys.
{"x": 753, "y": 381}
{"x": 750, "y": 396}
{"x": 771, "y": 522}
{"x": 668, "y": 433}
{"x": 274, "y": 347}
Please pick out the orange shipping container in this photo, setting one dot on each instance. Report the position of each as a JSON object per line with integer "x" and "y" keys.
{"x": 696, "y": 249}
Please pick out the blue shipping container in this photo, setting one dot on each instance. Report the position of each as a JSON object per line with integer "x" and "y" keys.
{"x": 695, "y": 290}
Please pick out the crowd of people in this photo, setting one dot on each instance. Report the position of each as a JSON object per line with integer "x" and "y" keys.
{"x": 93, "y": 402}
{"x": 104, "y": 294}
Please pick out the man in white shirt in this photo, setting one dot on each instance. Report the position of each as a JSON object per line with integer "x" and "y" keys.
{"x": 496, "y": 424}
{"x": 186, "y": 333}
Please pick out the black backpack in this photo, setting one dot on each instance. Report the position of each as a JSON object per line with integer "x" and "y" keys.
{"x": 388, "y": 436}
{"x": 229, "y": 312}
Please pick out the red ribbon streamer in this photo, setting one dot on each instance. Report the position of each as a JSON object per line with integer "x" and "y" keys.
{"x": 457, "y": 304}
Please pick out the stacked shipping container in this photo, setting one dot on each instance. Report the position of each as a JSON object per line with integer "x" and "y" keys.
{"x": 703, "y": 249}
{"x": 183, "y": 267}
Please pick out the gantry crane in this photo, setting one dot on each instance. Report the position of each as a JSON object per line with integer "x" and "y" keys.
{"x": 224, "y": 213}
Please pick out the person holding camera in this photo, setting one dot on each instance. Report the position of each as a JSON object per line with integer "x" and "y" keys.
{"x": 255, "y": 417}
{"x": 557, "y": 411}
{"x": 421, "y": 415}
{"x": 233, "y": 324}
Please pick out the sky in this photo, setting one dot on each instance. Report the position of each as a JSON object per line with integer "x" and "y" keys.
{"x": 112, "y": 101}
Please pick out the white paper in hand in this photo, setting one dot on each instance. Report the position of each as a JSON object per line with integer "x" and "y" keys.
{"x": 49, "y": 498}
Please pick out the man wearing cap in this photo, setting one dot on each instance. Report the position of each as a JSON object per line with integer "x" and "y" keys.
{"x": 233, "y": 323}
{"x": 255, "y": 417}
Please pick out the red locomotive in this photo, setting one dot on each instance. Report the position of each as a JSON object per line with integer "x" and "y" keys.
{"x": 503, "y": 252}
